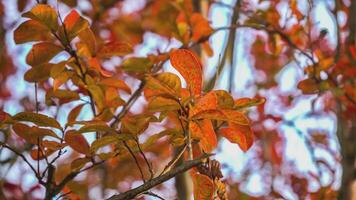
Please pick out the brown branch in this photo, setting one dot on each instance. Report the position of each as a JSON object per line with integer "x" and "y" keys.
{"x": 160, "y": 179}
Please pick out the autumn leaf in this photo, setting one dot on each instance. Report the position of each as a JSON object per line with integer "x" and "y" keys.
{"x": 164, "y": 84}
{"x": 203, "y": 187}
{"x": 239, "y": 134}
{"x": 189, "y": 66}
{"x": 38, "y": 73}
{"x": 77, "y": 142}
{"x": 38, "y": 119}
{"x": 201, "y": 27}
{"x": 73, "y": 24}
{"x": 31, "y": 31}
{"x": 248, "y": 102}
{"x": 79, "y": 163}
{"x": 308, "y": 86}
{"x": 44, "y": 14}
{"x": 111, "y": 139}
{"x": 73, "y": 114}
{"x": 204, "y": 131}
{"x": 96, "y": 126}
{"x": 137, "y": 65}
{"x": 41, "y": 53}
{"x": 32, "y": 133}
{"x": 116, "y": 83}
{"x": 159, "y": 104}
{"x": 87, "y": 37}
{"x": 114, "y": 49}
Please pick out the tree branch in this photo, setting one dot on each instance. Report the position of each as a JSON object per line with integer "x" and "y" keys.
{"x": 160, "y": 179}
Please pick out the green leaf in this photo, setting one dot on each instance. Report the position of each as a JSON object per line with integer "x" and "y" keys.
{"x": 38, "y": 119}
{"x": 158, "y": 104}
{"x": 41, "y": 53}
{"x": 44, "y": 14}
{"x": 137, "y": 65}
{"x": 38, "y": 73}
{"x": 31, "y": 31}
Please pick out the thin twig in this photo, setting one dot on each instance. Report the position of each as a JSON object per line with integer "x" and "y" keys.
{"x": 149, "y": 165}
{"x": 136, "y": 161}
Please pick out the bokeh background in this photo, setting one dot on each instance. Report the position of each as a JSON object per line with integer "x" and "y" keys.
{"x": 296, "y": 152}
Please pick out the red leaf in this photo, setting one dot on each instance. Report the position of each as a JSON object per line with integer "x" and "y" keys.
{"x": 189, "y": 66}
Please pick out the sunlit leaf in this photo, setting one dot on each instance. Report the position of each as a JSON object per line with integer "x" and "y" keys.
{"x": 203, "y": 187}
{"x": 115, "y": 49}
{"x": 158, "y": 104}
{"x": 73, "y": 24}
{"x": 308, "y": 86}
{"x": 116, "y": 83}
{"x": 38, "y": 119}
{"x": 96, "y": 126}
{"x": 31, "y": 31}
{"x": 79, "y": 163}
{"x": 98, "y": 95}
{"x": 248, "y": 102}
{"x": 164, "y": 84}
{"x": 101, "y": 142}
{"x": 44, "y": 14}
{"x": 189, "y": 66}
{"x": 38, "y": 73}
{"x": 204, "y": 132}
{"x": 77, "y": 142}
{"x": 73, "y": 114}
{"x": 41, "y": 53}
{"x": 137, "y": 65}
{"x": 239, "y": 134}
{"x": 88, "y": 38}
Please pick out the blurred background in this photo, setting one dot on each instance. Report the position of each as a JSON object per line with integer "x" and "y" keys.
{"x": 261, "y": 48}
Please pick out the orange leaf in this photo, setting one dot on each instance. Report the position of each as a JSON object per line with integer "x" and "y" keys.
{"x": 74, "y": 113}
{"x": 115, "y": 49}
{"x": 74, "y": 24}
{"x": 308, "y": 86}
{"x": 248, "y": 102}
{"x": 201, "y": 27}
{"x": 205, "y": 103}
{"x": 203, "y": 187}
{"x": 189, "y": 66}
{"x": 204, "y": 131}
{"x": 116, "y": 83}
{"x": 30, "y": 31}
{"x": 77, "y": 142}
{"x": 42, "y": 53}
{"x": 239, "y": 134}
